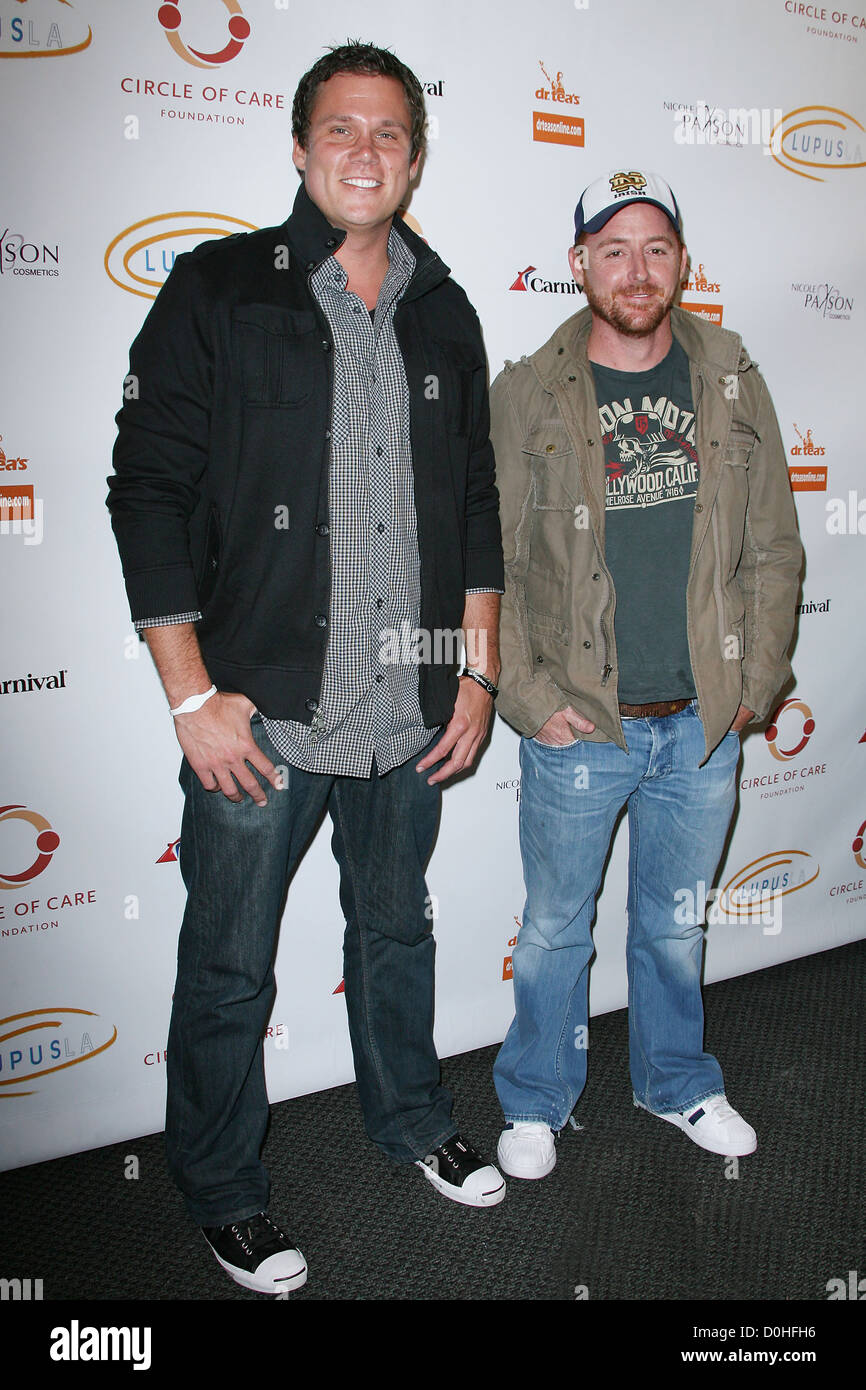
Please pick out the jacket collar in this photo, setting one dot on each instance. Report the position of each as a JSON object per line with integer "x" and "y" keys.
{"x": 312, "y": 239}
{"x": 703, "y": 342}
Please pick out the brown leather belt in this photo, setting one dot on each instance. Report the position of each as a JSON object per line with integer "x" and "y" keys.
{"x": 659, "y": 710}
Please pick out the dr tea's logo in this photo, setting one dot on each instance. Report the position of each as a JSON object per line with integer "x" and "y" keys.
{"x": 807, "y": 728}
{"x": 47, "y": 841}
{"x": 169, "y": 17}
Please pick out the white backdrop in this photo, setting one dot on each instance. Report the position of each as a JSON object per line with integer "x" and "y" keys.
{"x": 123, "y": 149}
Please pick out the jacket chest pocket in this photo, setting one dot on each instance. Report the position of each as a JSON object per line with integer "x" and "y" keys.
{"x": 556, "y": 501}
{"x": 277, "y": 353}
{"x": 450, "y": 384}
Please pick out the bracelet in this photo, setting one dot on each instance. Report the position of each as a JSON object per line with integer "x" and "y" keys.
{"x": 193, "y": 702}
{"x": 492, "y": 690}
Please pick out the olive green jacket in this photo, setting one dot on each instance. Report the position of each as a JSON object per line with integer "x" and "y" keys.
{"x": 558, "y": 644}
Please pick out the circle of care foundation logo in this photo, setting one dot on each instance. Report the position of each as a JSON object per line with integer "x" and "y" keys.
{"x": 816, "y": 141}
{"x": 857, "y": 846}
{"x": 797, "y": 731}
{"x": 43, "y": 1041}
{"x": 47, "y": 841}
{"x": 140, "y": 257}
{"x": 170, "y": 18}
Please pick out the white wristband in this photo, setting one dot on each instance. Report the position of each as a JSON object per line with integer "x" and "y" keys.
{"x": 193, "y": 702}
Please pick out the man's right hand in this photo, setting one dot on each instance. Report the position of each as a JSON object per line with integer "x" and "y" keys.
{"x": 218, "y": 744}
{"x": 563, "y": 727}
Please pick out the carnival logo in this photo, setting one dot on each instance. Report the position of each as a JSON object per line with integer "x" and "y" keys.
{"x": 170, "y": 854}
{"x": 169, "y": 17}
{"x": 48, "y": 1040}
{"x": 47, "y": 841}
{"x": 806, "y": 729}
{"x": 817, "y": 138}
{"x": 528, "y": 280}
{"x": 143, "y": 254}
{"x": 44, "y": 29}
{"x": 757, "y": 886}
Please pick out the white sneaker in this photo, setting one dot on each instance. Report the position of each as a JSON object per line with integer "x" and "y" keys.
{"x": 716, "y": 1125}
{"x": 527, "y": 1150}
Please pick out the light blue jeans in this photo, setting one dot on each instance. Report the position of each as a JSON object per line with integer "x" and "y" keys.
{"x": 678, "y": 815}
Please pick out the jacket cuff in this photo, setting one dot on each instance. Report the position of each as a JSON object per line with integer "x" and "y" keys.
{"x": 162, "y": 592}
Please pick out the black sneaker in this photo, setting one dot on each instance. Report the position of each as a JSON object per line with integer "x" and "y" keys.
{"x": 458, "y": 1171}
{"x": 257, "y": 1255}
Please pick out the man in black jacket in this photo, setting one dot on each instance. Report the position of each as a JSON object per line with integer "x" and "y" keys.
{"x": 305, "y": 507}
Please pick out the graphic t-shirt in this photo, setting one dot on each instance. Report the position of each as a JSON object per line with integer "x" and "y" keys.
{"x": 647, "y": 422}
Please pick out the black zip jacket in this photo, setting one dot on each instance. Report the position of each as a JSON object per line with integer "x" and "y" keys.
{"x": 219, "y": 501}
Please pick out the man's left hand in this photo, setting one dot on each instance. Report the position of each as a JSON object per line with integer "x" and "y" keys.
{"x": 743, "y": 715}
{"x": 463, "y": 734}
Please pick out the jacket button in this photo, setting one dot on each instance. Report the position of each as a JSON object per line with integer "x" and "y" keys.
{"x": 572, "y": 378}
{"x": 587, "y": 645}
{"x": 311, "y": 265}
{"x": 539, "y": 659}
{"x": 549, "y": 448}
{"x": 332, "y": 241}
{"x": 699, "y": 506}
{"x": 591, "y": 443}
{"x": 714, "y": 444}
{"x": 311, "y": 705}
{"x": 322, "y": 529}
{"x": 321, "y": 620}
{"x": 326, "y": 346}
{"x": 596, "y": 577}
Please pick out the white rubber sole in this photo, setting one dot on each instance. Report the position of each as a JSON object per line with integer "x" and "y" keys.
{"x": 488, "y": 1197}
{"x": 527, "y": 1174}
{"x": 263, "y": 1282}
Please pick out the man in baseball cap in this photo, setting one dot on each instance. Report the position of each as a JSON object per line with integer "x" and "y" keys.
{"x": 651, "y": 570}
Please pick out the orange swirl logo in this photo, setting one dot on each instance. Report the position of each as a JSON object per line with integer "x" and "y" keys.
{"x": 169, "y": 17}
{"x": 765, "y": 880}
{"x": 817, "y": 137}
{"x": 143, "y": 254}
{"x": 807, "y": 729}
{"x": 47, "y": 841}
{"x": 46, "y": 1041}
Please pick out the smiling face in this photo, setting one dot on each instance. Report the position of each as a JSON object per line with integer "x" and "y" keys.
{"x": 357, "y": 163}
{"x": 631, "y": 269}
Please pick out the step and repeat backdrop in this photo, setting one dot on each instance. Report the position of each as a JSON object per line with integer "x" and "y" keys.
{"x": 135, "y": 130}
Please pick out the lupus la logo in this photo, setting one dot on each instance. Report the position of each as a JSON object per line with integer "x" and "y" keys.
{"x": 42, "y": 30}
{"x": 802, "y": 729}
{"x": 528, "y": 280}
{"x": 47, "y": 841}
{"x": 756, "y": 888}
{"x": 817, "y": 138}
{"x": 170, "y": 17}
{"x": 43, "y": 1041}
{"x": 143, "y": 254}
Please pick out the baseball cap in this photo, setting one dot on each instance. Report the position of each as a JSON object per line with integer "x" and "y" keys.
{"x": 616, "y": 189}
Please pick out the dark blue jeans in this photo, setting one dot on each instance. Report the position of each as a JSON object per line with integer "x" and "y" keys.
{"x": 236, "y": 860}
